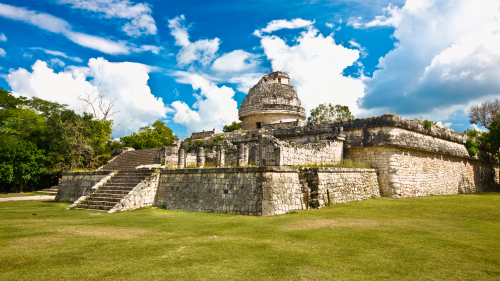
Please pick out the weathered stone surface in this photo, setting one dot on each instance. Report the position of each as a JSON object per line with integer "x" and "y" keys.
{"x": 406, "y": 172}
{"x": 271, "y": 100}
{"x": 77, "y": 184}
{"x": 143, "y": 195}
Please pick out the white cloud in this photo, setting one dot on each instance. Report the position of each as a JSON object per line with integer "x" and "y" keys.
{"x": 202, "y": 50}
{"x": 355, "y": 22}
{"x": 315, "y": 65}
{"x": 283, "y": 24}
{"x": 246, "y": 81}
{"x": 124, "y": 80}
{"x": 141, "y": 22}
{"x": 153, "y": 49}
{"x": 235, "y": 61}
{"x": 56, "y": 25}
{"x": 2, "y": 52}
{"x": 58, "y": 54}
{"x": 3, "y": 38}
{"x": 447, "y": 58}
{"x": 362, "y": 50}
{"x": 179, "y": 30}
{"x": 214, "y": 108}
{"x": 56, "y": 62}
{"x": 330, "y": 25}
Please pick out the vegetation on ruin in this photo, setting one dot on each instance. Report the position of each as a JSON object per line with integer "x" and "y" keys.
{"x": 427, "y": 123}
{"x": 327, "y": 113}
{"x": 231, "y": 128}
{"x": 437, "y": 237}
{"x": 346, "y": 163}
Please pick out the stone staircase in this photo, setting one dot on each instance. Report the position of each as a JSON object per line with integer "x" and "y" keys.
{"x": 51, "y": 190}
{"x": 111, "y": 192}
{"x": 131, "y": 159}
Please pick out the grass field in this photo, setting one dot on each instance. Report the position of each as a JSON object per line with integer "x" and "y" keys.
{"x": 430, "y": 238}
{"x": 7, "y": 195}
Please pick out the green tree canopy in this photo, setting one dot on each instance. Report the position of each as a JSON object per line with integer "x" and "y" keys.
{"x": 326, "y": 113}
{"x": 156, "y": 135}
{"x": 233, "y": 127}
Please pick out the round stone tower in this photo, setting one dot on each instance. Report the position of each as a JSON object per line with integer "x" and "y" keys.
{"x": 272, "y": 100}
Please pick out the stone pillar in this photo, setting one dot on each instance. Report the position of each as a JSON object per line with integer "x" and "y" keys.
{"x": 200, "y": 157}
{"x": 246, "y": 154}
{"x": 180, "y": 162}
{"x": 240, "y": 158}
{"x": 219, "y": 156}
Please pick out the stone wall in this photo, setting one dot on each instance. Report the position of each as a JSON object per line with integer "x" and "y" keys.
{"x": 408, "y": 172}
{"x": 202, "y": 135}
{"x": 143, "y": 195}
{"x": 339, "y": 185}
{"x": 246, "y": 191}
{"x": 76, "y": 184}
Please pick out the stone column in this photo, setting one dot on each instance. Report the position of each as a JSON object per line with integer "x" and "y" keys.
{"x": 240, "y": 157}
{"x": 219, "y": 156}
{"x": 180, "y": 162}
{"x": 200, "y": 157}
{"x": 246, "y": 154}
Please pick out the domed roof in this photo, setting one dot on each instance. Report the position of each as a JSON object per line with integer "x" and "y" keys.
{"x": 273, "y": 88}
{"x": 273, "y": 92}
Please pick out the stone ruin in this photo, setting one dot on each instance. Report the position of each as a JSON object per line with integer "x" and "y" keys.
{"x": 261, "y": 169}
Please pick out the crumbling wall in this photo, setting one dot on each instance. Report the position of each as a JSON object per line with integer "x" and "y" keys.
{"x": 76, "y": 184}
{"x": 339, "y": 185}
{"x": 407, "y": 172}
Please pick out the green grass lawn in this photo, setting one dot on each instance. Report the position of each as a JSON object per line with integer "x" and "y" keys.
{"x": 6, "y": 195}
{"x": 429, "y": 238}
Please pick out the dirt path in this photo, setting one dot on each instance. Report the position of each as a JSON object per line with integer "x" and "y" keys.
{"x": 36, "y": 197}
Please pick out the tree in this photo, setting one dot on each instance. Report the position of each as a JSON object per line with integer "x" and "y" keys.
{"x": 101, "y": 107}
{"x": 485, "y": 113}
{"x": 20, "y": 161}
{"x": 233, "y": 127}
{"x": 327, "y": 113}
{"x": 157, "y": 135}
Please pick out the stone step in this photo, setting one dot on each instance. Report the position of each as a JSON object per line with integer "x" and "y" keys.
{"x": 122, "y": 192}
{"x": 102, "y": 201}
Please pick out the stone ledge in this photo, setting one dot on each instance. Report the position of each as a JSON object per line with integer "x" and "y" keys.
{"x": 277, "y": 169}
{"x": 87, "y": 173}
{"x": 341, "y": 170}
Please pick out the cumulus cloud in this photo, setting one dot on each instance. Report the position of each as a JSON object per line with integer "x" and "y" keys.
{"x": 125, "y": 81}
{"x": 57, "y": 54}
{"x": 330, "y": 25}
{"x": 235, "y": 61}
{"x": 315, "y": 65}
{"x": 3, "y": 38}
{"x": 138, "y": 15}
{"x": 56, "y": 25}
{"x": 214, "y": 108}
{"x": 202, "y": 50}
{"x": 2, "y": 52}
{"x": 447, "y": 58}
{"x": 246, "y": 81}
{"x": 283, "y": 24}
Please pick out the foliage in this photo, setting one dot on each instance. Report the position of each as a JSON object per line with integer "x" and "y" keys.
{"x": 156, "y": 135}
{"x": 491, "y": 138}
{"x": 485, "y": 113}
{"x": 198, "y": 143}
{"x": 473, "y": 142}
{"x": 325, "y": 113}
{"x": 40, "y": 139}
{"x": 231, "y": 128}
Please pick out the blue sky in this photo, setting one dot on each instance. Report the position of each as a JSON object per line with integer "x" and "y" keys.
{"x": 191, "y": 63}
